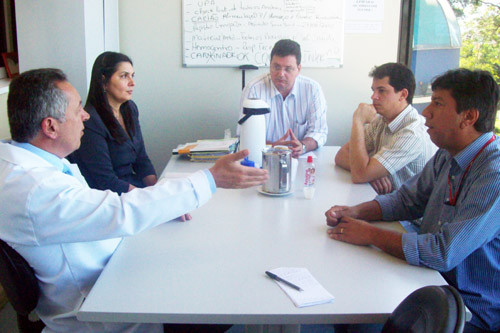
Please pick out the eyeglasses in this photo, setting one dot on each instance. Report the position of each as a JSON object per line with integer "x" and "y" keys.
{"x": 278, "y": 68}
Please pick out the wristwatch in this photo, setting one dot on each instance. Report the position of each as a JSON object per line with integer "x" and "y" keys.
{"x": 303, "y": 147}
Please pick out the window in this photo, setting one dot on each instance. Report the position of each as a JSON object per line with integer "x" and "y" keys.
{"x": 438, "y": 35}
{"x": 435, "y": 43}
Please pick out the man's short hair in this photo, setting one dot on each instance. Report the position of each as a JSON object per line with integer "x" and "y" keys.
{"x": 472, "y": 90}
{"x": 400, "y": 77}
{"x": 286, "y": 47}
{"x": 34, "y": 96}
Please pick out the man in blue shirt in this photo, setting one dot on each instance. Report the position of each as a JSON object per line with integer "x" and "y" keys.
{"x": 457, "y": 195}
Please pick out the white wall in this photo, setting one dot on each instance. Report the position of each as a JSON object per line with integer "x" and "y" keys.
{"x": 59, "y": 44}
{"x": 184, "y": 104}
{"x": 111, "y": 26}
{"x": 65, "y": 34}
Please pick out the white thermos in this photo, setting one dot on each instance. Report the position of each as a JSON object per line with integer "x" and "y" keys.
{"x": 253, "y": 129}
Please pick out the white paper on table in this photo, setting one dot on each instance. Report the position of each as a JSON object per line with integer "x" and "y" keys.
{"x": 313, "y": 293}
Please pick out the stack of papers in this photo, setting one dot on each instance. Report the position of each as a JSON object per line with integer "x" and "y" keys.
{"x": 313, "y": 293}
{"x": 207, "y": 150}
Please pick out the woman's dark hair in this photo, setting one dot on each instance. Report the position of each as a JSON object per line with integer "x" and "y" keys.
{"x": 104, "y": 67}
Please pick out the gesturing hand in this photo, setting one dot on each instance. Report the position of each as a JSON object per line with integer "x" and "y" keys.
{"x": 229, "y": 173}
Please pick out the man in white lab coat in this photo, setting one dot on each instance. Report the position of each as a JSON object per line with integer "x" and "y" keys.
{"x": 66, "y": 231}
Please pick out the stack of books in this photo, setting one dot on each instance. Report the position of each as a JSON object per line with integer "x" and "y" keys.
{"x": 207, "y": 150}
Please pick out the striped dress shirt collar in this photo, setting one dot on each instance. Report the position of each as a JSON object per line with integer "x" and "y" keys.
{"x": 464, "y": 157}
{"x": 398, "y": 122}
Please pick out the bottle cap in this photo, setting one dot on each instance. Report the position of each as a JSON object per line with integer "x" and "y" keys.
{"x": 309, "y": 159}
{"x": 247, "y": 162}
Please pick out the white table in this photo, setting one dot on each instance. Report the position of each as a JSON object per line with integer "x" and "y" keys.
{"x": 211, "y": 269}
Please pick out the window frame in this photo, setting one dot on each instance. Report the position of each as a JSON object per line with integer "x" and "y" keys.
{"x": 407, "y": 20}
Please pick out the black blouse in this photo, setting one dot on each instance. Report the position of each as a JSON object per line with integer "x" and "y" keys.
{"x": 107, "y": 164}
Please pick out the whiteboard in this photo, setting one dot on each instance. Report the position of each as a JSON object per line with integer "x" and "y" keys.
{"x": 231, "y": 33}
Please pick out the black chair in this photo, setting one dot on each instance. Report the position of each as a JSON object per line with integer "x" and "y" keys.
{"x": 21, "y": 287}
{"x": 437, "y": 309}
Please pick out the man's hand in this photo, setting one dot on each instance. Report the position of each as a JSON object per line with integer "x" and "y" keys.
{"x": 336, "y": 213}
{"x": 150, "y": 180}
{"x": 365, "y": 113}
{"x": 359, "y": 232}
{"x": 293, "y": 143}
{"x": 229, "y": 173}
{"x": 382, "y": 185}
{"x": 352, "y": 231}
{"x": 185, "y": 217}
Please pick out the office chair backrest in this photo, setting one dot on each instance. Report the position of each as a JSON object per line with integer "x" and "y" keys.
{"x": 460, "y": 308}
{"x": 429, "y": 309}
{"x": 18, "y": 280}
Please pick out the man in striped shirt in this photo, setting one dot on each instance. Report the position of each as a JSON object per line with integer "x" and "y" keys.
{"x": 457, "y": 195}
{"x": 298, "y": 106}
{"x": 388, "y": 143}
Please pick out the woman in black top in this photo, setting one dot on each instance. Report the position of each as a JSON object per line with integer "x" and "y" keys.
{"x": 112, "y": 153}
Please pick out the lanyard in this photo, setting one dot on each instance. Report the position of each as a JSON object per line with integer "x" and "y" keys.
{"x": 453, "y": 198}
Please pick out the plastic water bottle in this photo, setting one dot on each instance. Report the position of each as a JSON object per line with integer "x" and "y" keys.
{"x": 309, "y": 178}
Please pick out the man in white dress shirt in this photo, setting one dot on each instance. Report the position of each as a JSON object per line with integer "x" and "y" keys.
{"x": 298, "y": 106}
{"x": 65, "y": 230}
{"x": 389, "y": 142}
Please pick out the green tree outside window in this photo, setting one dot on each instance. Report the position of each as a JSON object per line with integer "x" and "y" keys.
{"x": 480, "y": 24}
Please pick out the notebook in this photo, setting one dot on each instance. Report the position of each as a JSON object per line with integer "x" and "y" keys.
{"x": 313, "y": 292}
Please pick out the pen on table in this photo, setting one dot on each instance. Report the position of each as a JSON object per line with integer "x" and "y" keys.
{"x": 277, "y": 278}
